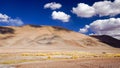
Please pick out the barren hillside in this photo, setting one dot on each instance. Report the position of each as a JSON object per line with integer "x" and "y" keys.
{"x": 45, "y": 37}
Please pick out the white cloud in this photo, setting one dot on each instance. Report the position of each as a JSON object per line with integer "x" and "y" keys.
{"x": 101, "y": 8}
{"x": 83, "y": 10}
{"x": 85, "y": 29}
{"x": 107, "y": 24}
{"x": 16, "y": 22}
{"x": 5, "y": 19}
{"x": 53, "y": 5}
{"x": 109, "y": 27}
{"x": 108, "y": 8}
{"x": 60, "y": 16}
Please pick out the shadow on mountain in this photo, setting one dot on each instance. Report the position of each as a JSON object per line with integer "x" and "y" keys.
{"x": 57, "y": 28}
{"x": 6, "y": 30}
{"x": 36, "y": 26}
{"x": 108, "y": 40}
{"x": 60, "y": 28}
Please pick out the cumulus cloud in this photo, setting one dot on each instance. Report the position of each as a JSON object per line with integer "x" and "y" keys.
{"x": 53, "y": 5}
{"x": 105, "y": 25}
{"x": 85, "y": 29}
{"x": 108, "y": 8}
{"x": 101, "y": 8}
{"x": 109, "y": 27}
{"x": 83, "y": 10}
{"x": 5, "y": 19}
{"x": 60, "y": 16}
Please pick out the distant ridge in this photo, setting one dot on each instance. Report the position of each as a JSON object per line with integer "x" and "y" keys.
{"x": 108, "y": 40}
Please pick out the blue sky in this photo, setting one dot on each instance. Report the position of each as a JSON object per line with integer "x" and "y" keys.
{"x": 34, "y": 12}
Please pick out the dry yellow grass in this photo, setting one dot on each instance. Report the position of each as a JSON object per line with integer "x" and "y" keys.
{"x": 73, "y": 54}
{"x": 16, "y": 61}
{"x": 54, "y": 56}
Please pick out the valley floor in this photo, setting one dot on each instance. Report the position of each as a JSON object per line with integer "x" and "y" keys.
{"x": 60, "y": 58}
{"x": 80, "y": 63}
{"x": 76, "y": 63}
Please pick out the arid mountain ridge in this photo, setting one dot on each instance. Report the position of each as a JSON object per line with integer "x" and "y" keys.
{"x": 31, "y": 36}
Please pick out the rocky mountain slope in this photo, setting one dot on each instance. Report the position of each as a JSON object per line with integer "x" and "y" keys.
{"x": 45, "y": 37}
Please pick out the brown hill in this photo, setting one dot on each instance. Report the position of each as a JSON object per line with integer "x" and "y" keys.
{"x": 46, "y": 37}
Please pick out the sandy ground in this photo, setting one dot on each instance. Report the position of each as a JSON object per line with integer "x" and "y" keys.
{"x": 92, "y": 50}
{"x": 95, "y": 62}
{"x": 76, "y": 63}
{"x": 80, "y": 63}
